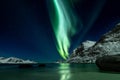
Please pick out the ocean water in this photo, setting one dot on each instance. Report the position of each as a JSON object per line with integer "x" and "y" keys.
{"x": 62, "y": 71}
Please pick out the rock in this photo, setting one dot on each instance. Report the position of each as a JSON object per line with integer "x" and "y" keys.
{"x": 25, "y": 66}
{"x": 109, "y": 63}
{"x": 42, "y": 65}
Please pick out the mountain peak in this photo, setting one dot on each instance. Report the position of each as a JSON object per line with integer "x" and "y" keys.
{"x": 88, "y": 44}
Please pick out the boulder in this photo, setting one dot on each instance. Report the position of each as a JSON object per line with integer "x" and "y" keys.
{"x": 109, "y": 63}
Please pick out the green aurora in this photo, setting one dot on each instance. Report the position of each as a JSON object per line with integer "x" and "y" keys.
{"x": 63, "y": 26}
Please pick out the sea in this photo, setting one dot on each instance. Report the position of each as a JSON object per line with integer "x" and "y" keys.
{"x": 57, "y": 71}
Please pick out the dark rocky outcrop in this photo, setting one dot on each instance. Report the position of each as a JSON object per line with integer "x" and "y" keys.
{"x": 109, "y": 63}
{"x": 25, "y": 65}
{"x": 42, "y": 65}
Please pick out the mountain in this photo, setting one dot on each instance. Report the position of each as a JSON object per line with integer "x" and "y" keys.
{"x": 109, "y": 44}
{"x": 13, "y": 60}
{"x": 79, "y": 55}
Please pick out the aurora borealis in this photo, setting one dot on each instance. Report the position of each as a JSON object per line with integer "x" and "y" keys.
{"x": 64, "y": 28}
{"x": 49, "y": 30}
{"x": 64, "y": 24}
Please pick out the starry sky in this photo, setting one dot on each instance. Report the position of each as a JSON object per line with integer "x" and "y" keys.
{"x": 26, "y": 30}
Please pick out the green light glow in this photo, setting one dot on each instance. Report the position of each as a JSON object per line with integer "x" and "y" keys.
{"x": 63, "y": 27}
{"x": 64, "y": 71}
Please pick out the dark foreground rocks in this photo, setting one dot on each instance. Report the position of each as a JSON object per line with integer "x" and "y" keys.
{"x": 41, "y": 65}
{"x": 25, "y": 65}
{"x": 109, "y": 63}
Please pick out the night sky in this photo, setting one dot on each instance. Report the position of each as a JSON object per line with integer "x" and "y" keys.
{"x": 26, "y": 30}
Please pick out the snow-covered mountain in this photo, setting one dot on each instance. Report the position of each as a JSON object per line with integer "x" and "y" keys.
{"x": 109, "y": 44}
{"x": 13, "y": 60}
{"x": 82, "y": 48}
{"x": 79, "y": 55}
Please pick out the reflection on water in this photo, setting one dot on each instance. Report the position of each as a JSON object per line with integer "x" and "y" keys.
{"x": 64, "y": 71}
